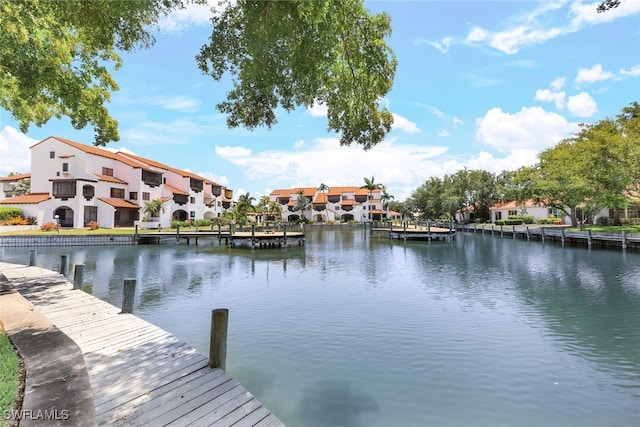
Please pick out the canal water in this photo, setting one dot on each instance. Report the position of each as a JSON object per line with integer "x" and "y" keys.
{"x": 354, "y": 331}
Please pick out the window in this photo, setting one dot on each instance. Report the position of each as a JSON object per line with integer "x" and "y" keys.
{"x": 150, "y": 178}
{"x": 196, "y": 185}
{"x": 64, "y": 189}
{"x": 146, "y": 196}
{"x": 88, "y": 191}
{"x": 107, "y": 171}
{"x": 133, "y": 195}
{"x": 117, "y": 193}
{"x": 90, "y": 214}
{"x": 192, "y": 214}
{"x": 192, "y": 199}
{"x": 512, "y": 213}
{"x": 52, "y": 154}
{"x": 65, "y": 167}
{"x": 498, "y": 216}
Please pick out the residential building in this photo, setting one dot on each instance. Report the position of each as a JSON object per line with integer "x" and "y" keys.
{"x": 8, "y": 184}
{"x": 339, "y": 204}
{"x": 74, "y": 184}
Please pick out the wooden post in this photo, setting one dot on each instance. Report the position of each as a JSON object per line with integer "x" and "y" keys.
{"x": 159, "y": 228}
{"x": 218, "y": 338}
{"x": 128, "y": 295}
{"x": 177, "y": 233}
{"x": 542, "y": 233}
{"x": 135, "y": 233}
{"x": 64, "y": 264}
{"x": 514, "y": 231}
{"x": 562, "y": 236}
{"x": 32, "y": 257}
{"x": 528, "y": 234}
{"x": 284, "y": 234}
{"x": 624, "y": 240}
{"x": 253, "y": 235}
{"x": 501, "y": 230}
{"x": 78, "y": 276}
{"x": 589, "y": 238}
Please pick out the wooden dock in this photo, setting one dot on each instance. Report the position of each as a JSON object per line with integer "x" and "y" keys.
{"x": 427, "y": 233}
{"x": 248, "y": 239}
{"x": 140, "y": 375}
{"x": 558, "y": 234}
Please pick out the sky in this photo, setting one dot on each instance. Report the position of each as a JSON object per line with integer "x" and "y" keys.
{"x": 479, "y": 84}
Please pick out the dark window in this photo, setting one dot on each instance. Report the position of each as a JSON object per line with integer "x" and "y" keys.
{"x": 180, "y": 199}
{"x": 88, "y": 191}
{"x": 151, "y": 178}
{"x": 192, "y": 214}
{"x": 133, "y": 195}
{"x": 196, "y": 185}
{"x": 192, "y": 199}
{"x": 90, "y": 214}
{"x": 107, "y": 171}
{"x": 52, "y": 154}
{"x": 117, "y": 193}
{"x": 146, "y": 196}
{"x": 64, "y": 189}
{"x": 65, "y": 167}
{"x": 216, "y": 190}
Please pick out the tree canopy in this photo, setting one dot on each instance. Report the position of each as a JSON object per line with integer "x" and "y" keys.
{"x": 286, "y": 54}
{"x": 57, "y": 56}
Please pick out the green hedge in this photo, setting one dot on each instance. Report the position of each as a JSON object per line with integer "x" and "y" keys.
{"x": 6, "y": 213}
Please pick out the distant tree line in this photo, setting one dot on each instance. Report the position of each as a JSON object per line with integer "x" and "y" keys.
{"x": 598, "y": 167}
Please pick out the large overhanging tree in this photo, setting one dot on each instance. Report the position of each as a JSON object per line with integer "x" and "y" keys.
{"x": 56, "y": 57}
{"x": 300, "y": 53}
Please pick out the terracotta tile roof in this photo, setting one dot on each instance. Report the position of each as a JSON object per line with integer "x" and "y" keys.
{"x": 26, "y": 199}
{"x": 118, "y": 203}
{"x": 320, "y": 198}
{"x": 291, "y": 203}
{"x": 513, "y": 205}
{"x": 156, "y": 164}
{"x": 174, "y": 190}
{"x": 347, "y": 202}
{"x": 107, "y": 178}
{"x": 16, "y": 177}
{"x": 376, "y": 211}
{"x": 89, "y": 149}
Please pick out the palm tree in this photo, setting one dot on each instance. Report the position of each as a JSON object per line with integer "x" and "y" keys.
{"x": 385, "y": 199}
{"x": 275, "y": 209}
{"x": 244, "y": 205}
{"x": 323, "y": 188}
{"x": 154, "y": 208}
{"x": 370, "y": 185}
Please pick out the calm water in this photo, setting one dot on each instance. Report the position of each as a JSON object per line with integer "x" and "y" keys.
{"x": 353, "y": 331}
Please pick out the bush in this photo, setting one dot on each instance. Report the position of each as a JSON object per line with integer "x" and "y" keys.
{"x": 604, "y": 220}
{"x": 182, "y": 224}
{"x": 203, "y": 222}
{"x": 93, "y": 225}
{"x": 8, "y": 213}
{"x": 49, "y": 226}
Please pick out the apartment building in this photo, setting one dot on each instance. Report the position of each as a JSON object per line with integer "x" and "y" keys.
{"x": 335, "y": 204}
{"x": 74, "y": 184}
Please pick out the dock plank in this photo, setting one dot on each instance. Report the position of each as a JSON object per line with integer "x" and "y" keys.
{"x": 140, "y": 374}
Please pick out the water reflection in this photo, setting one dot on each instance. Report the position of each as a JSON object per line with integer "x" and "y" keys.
{"x": 351, "y": 330}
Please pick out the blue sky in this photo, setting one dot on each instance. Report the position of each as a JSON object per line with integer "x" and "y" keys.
{"x": 480, "y": 84}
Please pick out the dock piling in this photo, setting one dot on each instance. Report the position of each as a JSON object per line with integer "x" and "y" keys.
{"x": 218, "y": 338}
{"x": 64, "y": 264}
{"x": 78, "y": 276}
{"x": 128, "y": 295}
{"x": 32, "y": 257}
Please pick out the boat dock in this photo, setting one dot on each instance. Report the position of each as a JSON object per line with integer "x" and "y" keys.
{"x": 557, "y": 234}
{"x": 253, "y": 239}
{"x": 414, "y": 232}
{"x": 139, "y": 374}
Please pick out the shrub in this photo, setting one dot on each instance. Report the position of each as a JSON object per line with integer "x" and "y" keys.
{"x": 49, "y": 226}
{"x": 527, "y": 219}
{"x": 7, "y": 213}
{"x": 203, "y": 222}
{"x": 93, "y": 225}
{"x": 604, "y": 220}
{"x": 182, "y": 224}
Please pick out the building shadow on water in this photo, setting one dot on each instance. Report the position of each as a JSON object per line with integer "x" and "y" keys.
{"x": 335, "y": 403}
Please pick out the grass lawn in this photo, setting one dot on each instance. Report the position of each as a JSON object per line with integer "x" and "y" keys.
{"x": 9, "y": 374}
{"x": 630, "y": 229}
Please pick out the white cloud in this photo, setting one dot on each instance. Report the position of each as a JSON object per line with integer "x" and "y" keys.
{"x": 558, "y": 83}
{"x": 299, "y": 143}
{"x": 220, "y": 179}
{"x": 317, "y": 110}
{"x": 592, "y": 75}
{"x": 546, "y": 21}
{"x": 532, "y": 128}
{"x": 548, "y": 95}
{"x": 633, "y": 71}
{"x": 179, "y": 103}
{"x": 444, "y": 133}
{"x": 514, "y": 160}
{"x": 399, "y": 166}
{"x": 582, "y": 105}
{"x": 15, "y": 155}
{"x": 191, "y": 15}
{"x": 403, "y": 124}
{"x": 457, "y": 121}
